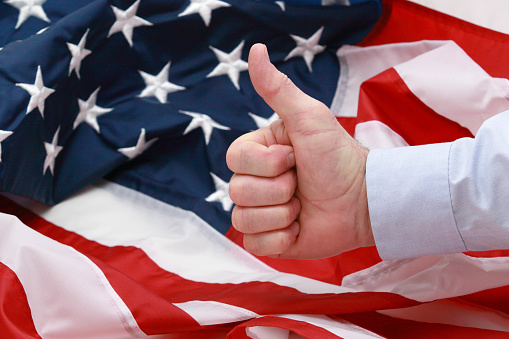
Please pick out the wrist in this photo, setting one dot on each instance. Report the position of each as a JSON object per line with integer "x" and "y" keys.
{"x": 365, "y": 236}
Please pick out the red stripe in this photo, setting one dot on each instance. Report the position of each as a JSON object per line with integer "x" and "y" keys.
{"x": 153, "y": 313}
{"x": 394, "y": 328}
{"x": 495, "y": 298}
{"x": 16, "y": 317}
{"x": 348, "y": 124}
{"x": 330, "y": 270}
{"x": 148, "y": 290}
{"x": 387, "y": 98}
{"x": 404, "y": 21}
{"x": 304, "y": 329}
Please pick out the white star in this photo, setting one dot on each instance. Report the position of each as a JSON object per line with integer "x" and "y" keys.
{"x": 281, "y": 4}
{"x": 52, "y": 151}
{"x": 158, "y": 85}
{"x": 221, "y": 194}
{"x": 263, "y": 122}
{"x": 204, "y": 122}
{"x": 141, "y": 146}
{"x": 89, "y": 111}
{"x": 38, "y": 93}
{"x": 28, "y": 8}
{"x": 307, "y": 48}
{"x": 3, "y": 136}
{"x": 204, "y": 8}
{"x": 230, "y": 64}
{"x": 79, "y": 52}
{"x": 126, "y": 21}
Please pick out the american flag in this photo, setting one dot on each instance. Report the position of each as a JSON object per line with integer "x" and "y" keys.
{"x": 119, "y": 114}
{"x": 163, "y": 82}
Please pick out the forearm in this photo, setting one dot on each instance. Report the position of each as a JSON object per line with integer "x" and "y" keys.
{"x": 441, "y": 198}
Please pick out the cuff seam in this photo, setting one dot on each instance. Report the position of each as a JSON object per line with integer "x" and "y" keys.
{"x": 450, "y": 196}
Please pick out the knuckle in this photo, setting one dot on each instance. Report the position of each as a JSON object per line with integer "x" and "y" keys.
{"x": 285, "y": 81}
{"x": 236, "y": 223}
{"x": 239, "y": 156}
{"x": 252, "y": 244}
{"x": 233, "y": 190}
{"x": 230, "y": 161}
{"x": 285, "y": 239}
{"x": 241, "y": 220}
{"x": 273, "y": 243}
{"x": 278, "y": 86}
{"x": 237, "y": 189}
{"x": 289, "y": 216}
{"x": 276, "y": 160}
{"x": 288, "y": 185}
{"x": 317, "y": 106}
{"x": 274, "y": 167}
{"x": 286, "y": 193}
{"x": 233, "y": 156}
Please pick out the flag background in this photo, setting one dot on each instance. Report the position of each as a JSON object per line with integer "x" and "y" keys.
{"x": 149, "y": 250}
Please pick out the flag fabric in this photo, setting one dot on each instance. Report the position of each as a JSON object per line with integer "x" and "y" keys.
{"x": 149, "y": 89}
{"x": 149, "y": 94}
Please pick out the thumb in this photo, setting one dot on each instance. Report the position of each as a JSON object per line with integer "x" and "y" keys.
{"x": 301, "y": 114}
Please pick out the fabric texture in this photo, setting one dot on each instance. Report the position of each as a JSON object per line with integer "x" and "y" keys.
{"x": 138, "y": 253}
{"x": 150, "y": 93}
{"x": 440, "y": 198}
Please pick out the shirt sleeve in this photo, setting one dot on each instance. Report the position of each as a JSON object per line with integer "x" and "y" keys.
{"x": 442, "y": 198}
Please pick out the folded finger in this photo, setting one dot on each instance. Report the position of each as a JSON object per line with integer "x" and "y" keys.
{"x": 272, "y": 243}
{"x": 252, "y": 154}
{"x": 265, "y": 218}
{"x": 249, "y": 190}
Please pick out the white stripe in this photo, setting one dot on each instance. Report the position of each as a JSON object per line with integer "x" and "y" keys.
{"x": 486, "y": 13}
{"x": 432, "y": 277}
{"x": 113, "y": 215}
{"x": 213, "y": 312}
{"x": 66, "y": 292}
{"x": 453, "y": 312}
{"x": 448, "y": 81}
{"x": 176, "y": 240}
{"x": 375, "y": 134}
{"x": 358, "y": 64}
{"x": 341, "y": 328}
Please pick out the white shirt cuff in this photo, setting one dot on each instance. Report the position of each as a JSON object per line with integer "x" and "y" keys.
{"x": 410, "y": 202}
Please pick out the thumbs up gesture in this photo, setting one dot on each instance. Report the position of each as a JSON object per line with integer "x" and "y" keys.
{"x": 299, "y": 184}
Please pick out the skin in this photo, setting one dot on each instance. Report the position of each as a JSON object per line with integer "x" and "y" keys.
{"x": 299, "y": 184}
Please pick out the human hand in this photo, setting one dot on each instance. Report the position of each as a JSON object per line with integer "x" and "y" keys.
{"x": 299, "y": 184}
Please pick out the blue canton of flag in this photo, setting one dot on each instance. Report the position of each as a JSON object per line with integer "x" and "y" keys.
{"x": 151, "y": 93}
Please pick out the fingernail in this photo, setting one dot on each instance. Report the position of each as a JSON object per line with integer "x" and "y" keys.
{"x": 266, "y": 51}
{"x": 290, "y": 160}
{"x": 295, "y": 228}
